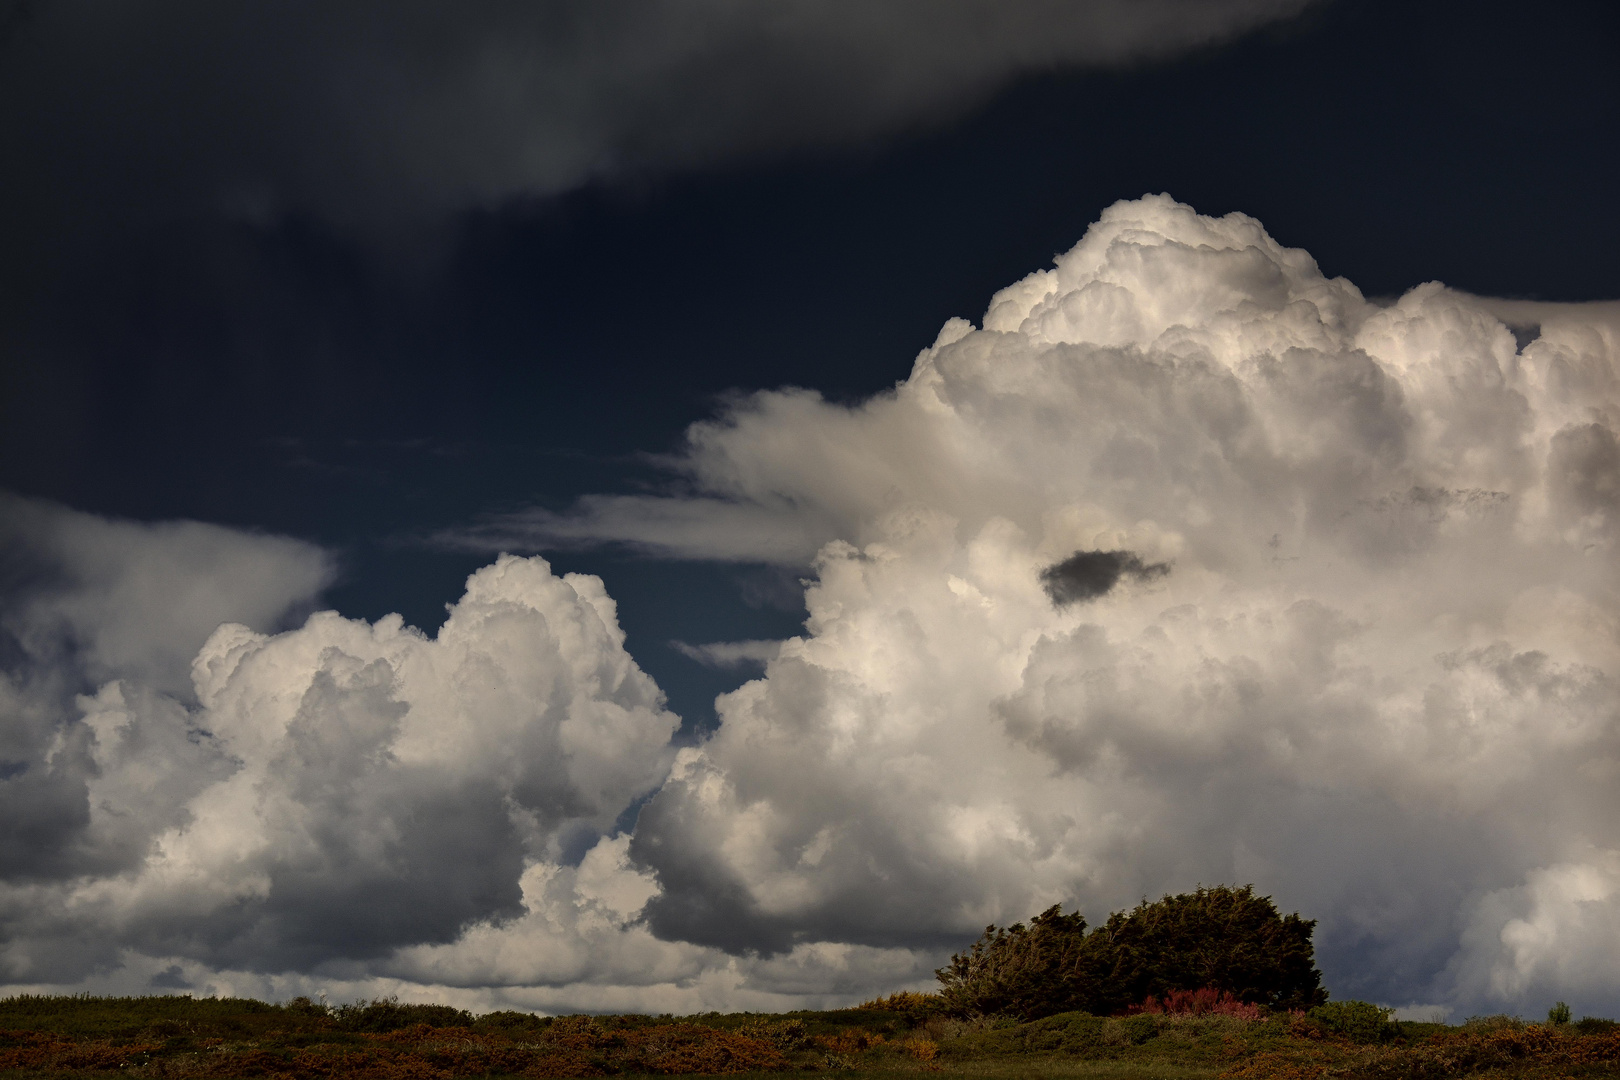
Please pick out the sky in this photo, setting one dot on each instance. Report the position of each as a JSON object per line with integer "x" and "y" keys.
{"x": 682, "y": 506}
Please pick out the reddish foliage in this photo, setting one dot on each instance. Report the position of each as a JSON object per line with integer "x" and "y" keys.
{"x": 1205, "y": 1002}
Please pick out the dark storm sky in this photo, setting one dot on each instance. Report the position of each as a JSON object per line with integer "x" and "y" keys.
{"x": 277, "y": 371}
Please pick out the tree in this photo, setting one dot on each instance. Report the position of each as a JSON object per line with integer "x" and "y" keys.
{"x": 1027, "y": 972}
{"x": 1222, "y": 938}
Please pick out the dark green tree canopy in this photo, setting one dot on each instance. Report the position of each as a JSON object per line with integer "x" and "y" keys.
{"x": 1224, "y": 938}
{"x": 1020, "y": 971}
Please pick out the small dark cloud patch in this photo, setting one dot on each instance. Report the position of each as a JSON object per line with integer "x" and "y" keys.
{"x": 1086, "y": 575}
{"x": 1524, "y": 335}
{"x": 171, "y": 979}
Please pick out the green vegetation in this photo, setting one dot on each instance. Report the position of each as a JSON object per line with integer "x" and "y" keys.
{"x": 901, "y": 1036}
{"x": 1357, "y": 1021}
{"x": 1026, "y": 972}
{"x": 1212, "y": 985}
{"x": 1223, "y": 939}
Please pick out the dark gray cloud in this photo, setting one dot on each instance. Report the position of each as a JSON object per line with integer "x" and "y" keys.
{"x": 381, "y": 116}
{"x": 1086, "y": 575}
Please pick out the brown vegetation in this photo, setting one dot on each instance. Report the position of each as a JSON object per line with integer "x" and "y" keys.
{"x": 1202, "y": 1035}
{"x": 1500, "y": 1048}
{"x": 571, "y": 1046}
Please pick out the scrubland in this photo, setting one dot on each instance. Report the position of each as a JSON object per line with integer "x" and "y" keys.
{"x": 904, "y": 1035}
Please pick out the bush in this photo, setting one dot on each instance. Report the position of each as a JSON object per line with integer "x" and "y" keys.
{"x": 1558, "y": 1015}
{"x": 512, "y": 1022}
{"x": 785, "y": 1035}
{"x": 303, "y": 1006}
{"x": 1205, "y": 1002}
{"x": 912, "y": 1009}
{"x": 904, "y": 1001}
{"x": 387, "y": 1014}
{"x": 1358, "y": 1021}
{"x": 1027, "y": 972}
{"x": 1224, "y": 940}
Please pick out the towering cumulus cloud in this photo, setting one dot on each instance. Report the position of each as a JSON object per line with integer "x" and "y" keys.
{"x": 1189, "y": 565}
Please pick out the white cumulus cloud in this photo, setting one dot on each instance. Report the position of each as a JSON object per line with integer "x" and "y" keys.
{"x": 1358, "y": 645}
{"x": 343, "y": 789}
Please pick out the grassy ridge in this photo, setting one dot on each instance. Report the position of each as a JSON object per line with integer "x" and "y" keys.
{"x": 58, "y": 1037}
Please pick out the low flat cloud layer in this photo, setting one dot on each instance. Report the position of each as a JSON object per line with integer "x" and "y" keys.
{"x": 1186, "y": 565}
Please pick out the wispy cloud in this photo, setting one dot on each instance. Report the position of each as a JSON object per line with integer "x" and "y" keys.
{"x": 723, "y": 530}
{"x": 730, "y": 654}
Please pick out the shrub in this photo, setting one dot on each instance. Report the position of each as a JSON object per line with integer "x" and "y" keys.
{"x": 850, "y": 1040}
{"x": 1358, "y": 1021}
{"x": 1558, "y": 1014}
{"x": 783, "y": 1034}
{"x": 1027, "y": 972}
{"x": 920, "y": 1047}
{"x": 1222, "y": 938}
{"x": 1225, "y": 940}
{"x": 510, "y": 1021}
{"x": 1129, "y": 1030}
{"x": 387, "y": 1014}
{"x": 1205, "y": 1002}
{"x": 904, "y": 1001}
